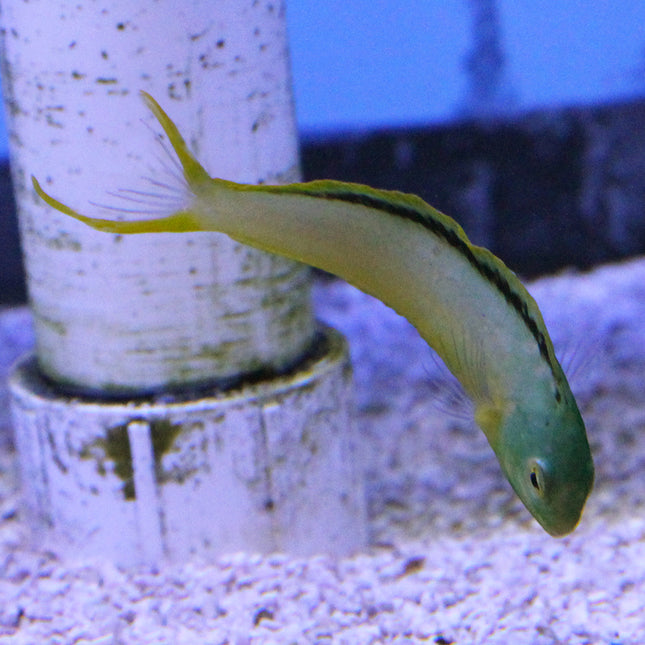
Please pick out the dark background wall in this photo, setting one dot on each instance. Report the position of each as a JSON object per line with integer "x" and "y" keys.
{"x": 12, "y": 282}
{"x": 545, "y": 190}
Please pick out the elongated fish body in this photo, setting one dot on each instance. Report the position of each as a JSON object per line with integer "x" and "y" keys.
{"x": 463, "y": 300}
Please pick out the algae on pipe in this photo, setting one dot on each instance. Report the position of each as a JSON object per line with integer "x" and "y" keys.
{"x": 462, "y": 299}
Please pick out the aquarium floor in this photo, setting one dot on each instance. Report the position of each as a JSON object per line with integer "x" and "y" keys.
{"x": 454, "y": 558}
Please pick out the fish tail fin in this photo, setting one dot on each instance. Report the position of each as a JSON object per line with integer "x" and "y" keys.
{"x": 175, "y": 209}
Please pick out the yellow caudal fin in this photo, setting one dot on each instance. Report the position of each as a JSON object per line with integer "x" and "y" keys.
{"x": 179, "y": 219}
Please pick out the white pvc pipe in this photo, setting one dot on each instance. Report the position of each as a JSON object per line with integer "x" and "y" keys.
{"x": 133, "y": 314}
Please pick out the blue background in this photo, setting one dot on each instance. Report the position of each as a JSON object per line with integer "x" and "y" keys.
{"x": 364, "y": 63}
{"x": 367, "y": 63}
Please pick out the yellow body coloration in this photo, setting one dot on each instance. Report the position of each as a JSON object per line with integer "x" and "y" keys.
{"x": 463, "y": 300}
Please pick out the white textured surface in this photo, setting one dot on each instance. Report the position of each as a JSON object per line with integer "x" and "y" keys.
{"x": 455, "y": 558}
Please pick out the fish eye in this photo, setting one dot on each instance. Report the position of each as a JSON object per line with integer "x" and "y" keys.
{"x": 534, "y": 481}
{"x": 537, "y": 477}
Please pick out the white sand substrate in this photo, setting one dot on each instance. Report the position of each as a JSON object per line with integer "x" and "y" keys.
{"x": 454, "y": 557}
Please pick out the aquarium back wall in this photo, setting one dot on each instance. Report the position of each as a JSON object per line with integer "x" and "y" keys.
{"x": 523, "y": 120}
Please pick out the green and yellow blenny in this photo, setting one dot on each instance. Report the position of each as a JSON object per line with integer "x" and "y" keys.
{"x": 463, "y": 300}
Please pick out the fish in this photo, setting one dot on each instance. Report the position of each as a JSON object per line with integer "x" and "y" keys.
{"x": 463, "y": 300}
